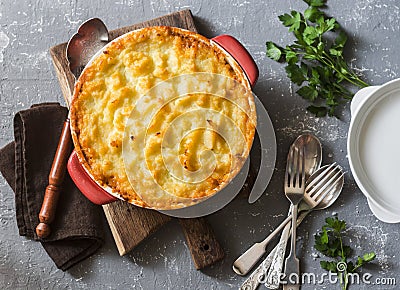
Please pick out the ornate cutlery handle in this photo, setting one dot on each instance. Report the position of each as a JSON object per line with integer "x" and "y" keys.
{"x": 248, "y": 259}
{"x": 274, "y": 273}
{"x": 258, "y": 276}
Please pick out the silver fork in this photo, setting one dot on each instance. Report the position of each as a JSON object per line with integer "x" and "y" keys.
{"x": 295, "y": 179}
{"x": 324, "y": 192}
{"x": 319, "y": 193}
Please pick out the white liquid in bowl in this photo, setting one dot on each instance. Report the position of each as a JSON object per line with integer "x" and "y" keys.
{"x": 379, "y": 146}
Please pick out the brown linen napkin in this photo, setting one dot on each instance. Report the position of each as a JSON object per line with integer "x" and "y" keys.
{"x": 77, "y": 231}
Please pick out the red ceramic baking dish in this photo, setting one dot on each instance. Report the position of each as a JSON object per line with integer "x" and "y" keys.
{"x": 100, "y": 194}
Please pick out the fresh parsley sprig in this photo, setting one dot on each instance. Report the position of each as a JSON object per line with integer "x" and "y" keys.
{"x": 330, "y": 243}
{"x": 314, "y": 62}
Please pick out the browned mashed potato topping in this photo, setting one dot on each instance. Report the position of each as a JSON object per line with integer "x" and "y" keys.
{"x": 108, "y": 89}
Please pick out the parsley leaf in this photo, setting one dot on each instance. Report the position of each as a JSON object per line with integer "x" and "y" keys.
{"x": 291, "y": 57}
{"x": 316, "y": 61}
{"x": 340, "y": 40}
{"x": 286, "y": 19}
{"x": 318, "y": 111}
{"x": 295, "y": 73}
{"x": 369, "y": 257}
{"x": 310, "y": 35}
{"x": 329, "y": 241}
{"x": 312, "y": 14}
{"x": 308, "y": 92}
{"x": 328, "y": 266}
{"x": 292, "y": 21}
{"x": 316, "y": 3}
{"x": 273, "y": 51}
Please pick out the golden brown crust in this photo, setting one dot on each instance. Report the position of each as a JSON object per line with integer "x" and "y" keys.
{"x": 125, "y": 70}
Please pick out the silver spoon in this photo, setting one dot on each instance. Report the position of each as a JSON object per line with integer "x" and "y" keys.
{"x": 313, "y": 156}
{"x": 91, "y": 36}
{"x": 276, "y": 256}
{"x": 313, "y": 150}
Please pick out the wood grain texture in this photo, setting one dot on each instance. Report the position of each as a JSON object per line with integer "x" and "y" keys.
{"x": 64, "y": 75}
{"x": 130, "y": 224}
{"x": 203, "y": 245}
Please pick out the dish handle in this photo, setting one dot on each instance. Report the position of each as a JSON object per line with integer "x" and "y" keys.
{"x": 232, "y": 46}
{"x": 381, "y": 214}
{"x": 360, "y": 96}
{"x": 85, "y": 183}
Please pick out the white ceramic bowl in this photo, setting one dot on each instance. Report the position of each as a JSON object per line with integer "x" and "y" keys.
{"x": 374, "y": 148}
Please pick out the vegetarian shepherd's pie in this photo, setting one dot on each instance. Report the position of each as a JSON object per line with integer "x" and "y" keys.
{"x": 107, "y": 95}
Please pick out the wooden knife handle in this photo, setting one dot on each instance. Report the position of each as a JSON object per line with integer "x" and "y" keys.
{"x": 56, "y": 178}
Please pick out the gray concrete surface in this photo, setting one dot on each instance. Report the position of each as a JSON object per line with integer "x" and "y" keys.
{"x": 28, "y": 28}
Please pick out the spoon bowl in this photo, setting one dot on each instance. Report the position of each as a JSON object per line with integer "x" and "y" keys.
{"x": 92, "y": 35}
{"x": 313, "y": 152}
{"x": 313, "y": 157}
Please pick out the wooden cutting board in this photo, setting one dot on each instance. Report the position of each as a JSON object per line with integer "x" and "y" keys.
{"x": 130, "y": 224}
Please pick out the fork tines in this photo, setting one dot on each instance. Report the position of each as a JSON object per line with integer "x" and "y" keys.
{"x": 324, "y": 182}
{"x": 295, "y": 173}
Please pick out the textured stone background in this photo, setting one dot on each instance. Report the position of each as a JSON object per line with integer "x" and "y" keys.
{"x": 28, "y": 28}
